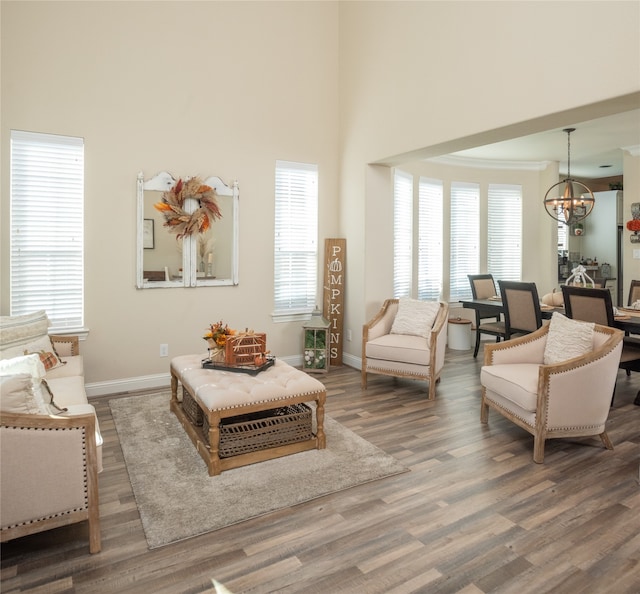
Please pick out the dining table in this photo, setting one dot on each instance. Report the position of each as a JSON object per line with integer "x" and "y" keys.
{"x": 626, "y": 319}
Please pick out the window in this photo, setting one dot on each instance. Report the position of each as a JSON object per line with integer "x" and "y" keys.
{"x": 429, "y": 239}
{"x": 504, "y": 242}
{"x": 465, "y": 238}
{"x": 402, "y": 233}
{"x": 296, "y": 240}
{"x": 47, "y": 221}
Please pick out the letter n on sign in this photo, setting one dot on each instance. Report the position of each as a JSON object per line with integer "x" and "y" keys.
{"x": 335, "y": 256}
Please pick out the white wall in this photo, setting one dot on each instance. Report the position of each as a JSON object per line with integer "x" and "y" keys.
{"x": 194, "y": 88}
{"x": 426, "y": 78}
{"x": 226, "y": 88}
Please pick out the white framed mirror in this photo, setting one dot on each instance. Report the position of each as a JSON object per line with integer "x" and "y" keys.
{"x": 169, "y": 254}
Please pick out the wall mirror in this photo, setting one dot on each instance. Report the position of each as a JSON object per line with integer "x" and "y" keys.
{"x": 195, "y": 259}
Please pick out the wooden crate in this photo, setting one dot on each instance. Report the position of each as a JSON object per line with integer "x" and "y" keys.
{"x": 242, "y": 349}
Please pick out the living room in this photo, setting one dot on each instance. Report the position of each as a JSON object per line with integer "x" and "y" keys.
{"x": 229, "y": 88}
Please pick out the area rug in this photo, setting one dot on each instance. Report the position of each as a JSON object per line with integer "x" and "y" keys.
{"x": 172, "y": 487}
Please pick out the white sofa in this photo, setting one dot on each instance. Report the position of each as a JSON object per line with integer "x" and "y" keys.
{"x": 50, "y": 441}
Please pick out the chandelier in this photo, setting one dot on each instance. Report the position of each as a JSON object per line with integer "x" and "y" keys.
{"x": 569, "y": 201}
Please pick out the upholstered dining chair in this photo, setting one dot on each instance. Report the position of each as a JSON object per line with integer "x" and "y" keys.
{"x": 634, "y": 292}
{"x": 554, "y": 382}
{"x": 521, "y": 304}
{"x": 406, "y": 338}
{"x": 484, "y": 287}
{"x": 595, "y": 305}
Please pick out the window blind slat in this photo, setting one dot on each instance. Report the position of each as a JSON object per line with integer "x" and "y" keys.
{"x": 465, "y": 238}
{"x": 402, "y": 233}
{"x": 47, "y": 220}
{"x": 430, "y": 254}
{"x": 504, "y": 229}
{"x": 295, "y": 242}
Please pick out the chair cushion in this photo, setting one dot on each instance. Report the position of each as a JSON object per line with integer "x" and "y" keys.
{"x": 516, "y": 382}
{"x": 567, "y": 339}
{"x": 415, "y": 317}
{"x": 399, "y": 347}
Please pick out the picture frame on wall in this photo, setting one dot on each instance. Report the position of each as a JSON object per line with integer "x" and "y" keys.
{"x": 148, "y": 238}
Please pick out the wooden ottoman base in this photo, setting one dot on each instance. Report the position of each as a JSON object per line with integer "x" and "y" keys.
{"x": 224, "y": 394}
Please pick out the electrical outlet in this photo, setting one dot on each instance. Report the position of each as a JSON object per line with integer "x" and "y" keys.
{"x": 349, "y": 335}
{"x": 164, "y": 350}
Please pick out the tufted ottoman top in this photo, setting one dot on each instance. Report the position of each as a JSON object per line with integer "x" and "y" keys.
{"x": 220, "y": 390}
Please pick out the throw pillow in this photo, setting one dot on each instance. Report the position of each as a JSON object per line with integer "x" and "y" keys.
{"x": 44, "y": 348}
{"x": 31, "y": 365}
{"x": 415, "y": 317}
{"x": 16, "y": 394}
{"x": 16, "y": 331}
{"x": 567, "y": 339}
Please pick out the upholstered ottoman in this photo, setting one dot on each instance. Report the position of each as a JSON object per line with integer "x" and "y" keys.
{"x": 222, "y": 394}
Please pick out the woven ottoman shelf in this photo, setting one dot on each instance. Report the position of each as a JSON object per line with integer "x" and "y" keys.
{"x": 234, "y": 419}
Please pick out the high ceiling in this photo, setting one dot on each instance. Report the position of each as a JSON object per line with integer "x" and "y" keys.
{"x": 596, "y": 147}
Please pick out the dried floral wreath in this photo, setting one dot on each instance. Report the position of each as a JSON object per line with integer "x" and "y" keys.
{"x": 172, "y": 207}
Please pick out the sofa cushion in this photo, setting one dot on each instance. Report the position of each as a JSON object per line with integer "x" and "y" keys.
{"x": 73, "y": 366}
{"x": 415, "y": 317}
{"x": 401, "y": 348}
{"x": 516, "y": 382}
{"x": 32, "y": 366}
{"x": 67, "y": 391}
{"x": 17, "y": 396}
{"x": 567, "y": 339}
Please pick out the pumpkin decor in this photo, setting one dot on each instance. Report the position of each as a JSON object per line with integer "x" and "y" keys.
{"x": 555, "y": 299}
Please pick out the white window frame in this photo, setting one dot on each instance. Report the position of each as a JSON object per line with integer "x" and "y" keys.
{"x": 295, "y": 241}
{"x": 47, "y": 228}
{"x": 402, "y": 233}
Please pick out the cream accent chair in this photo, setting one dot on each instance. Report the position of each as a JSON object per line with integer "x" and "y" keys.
{"x": 404, "y": 355}
{"x": 567, "y": 399}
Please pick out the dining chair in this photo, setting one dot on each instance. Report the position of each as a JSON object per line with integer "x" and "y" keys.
{"x": 588, "y": 305}
{"x": 521, "y": 303}
{"x": 595, "y": 305}
{"x": 634, "y": 292}
{"x": 484, "y": 287}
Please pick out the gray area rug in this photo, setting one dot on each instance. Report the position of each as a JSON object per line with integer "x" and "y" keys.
{"x": 172, "y": 487}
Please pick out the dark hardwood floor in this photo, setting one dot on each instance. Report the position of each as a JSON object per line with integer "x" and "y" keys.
{"x": 474, "y": 515}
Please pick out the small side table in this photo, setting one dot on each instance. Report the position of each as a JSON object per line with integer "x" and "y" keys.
{"x": 459, "y": 334}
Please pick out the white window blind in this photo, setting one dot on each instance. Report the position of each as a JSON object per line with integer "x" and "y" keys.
{"x": 402, "y": 233}
{"x": 296, "y": 238}
{"x": 47, "y": 221}
{"x": 504, "y": 228}
{"x": 429, "y": 239}
{"x": 465, "y": 238}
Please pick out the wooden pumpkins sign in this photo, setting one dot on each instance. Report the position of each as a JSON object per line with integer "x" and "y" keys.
{"x": 335, "y": 253}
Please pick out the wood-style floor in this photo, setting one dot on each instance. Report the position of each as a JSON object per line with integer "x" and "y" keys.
{"x": 473, "y": 515}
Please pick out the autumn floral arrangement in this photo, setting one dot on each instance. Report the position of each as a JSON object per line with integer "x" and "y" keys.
{"x": 216, "y": 336}
{"x": 177, "y": 219}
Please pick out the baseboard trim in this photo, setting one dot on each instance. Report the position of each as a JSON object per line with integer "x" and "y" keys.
{"x": 149, "y": 382}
